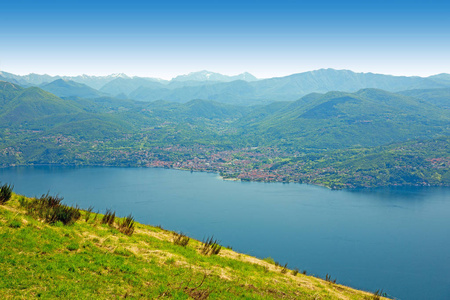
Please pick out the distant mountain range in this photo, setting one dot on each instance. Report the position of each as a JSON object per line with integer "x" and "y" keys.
{"x": 211, "y": 76}
{"x": 95, "y": 82}
{"x": 68, "y": 88}
{"x": 242, "y": 89}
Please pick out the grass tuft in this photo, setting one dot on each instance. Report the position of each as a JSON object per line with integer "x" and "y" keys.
{"x": 109, "y": 217}
{"x": 210, "y": 246}
{"x": 127, "y": 225}
{"x": 180, "y": 239}
{"x": 88, "y": 212}
{"x": 94, "y": 262}
{"x": 377, "y": 295}
{"x": 51, "y": 210}
{"x": 328, "y": 278}
{"x": 5, "y": 193}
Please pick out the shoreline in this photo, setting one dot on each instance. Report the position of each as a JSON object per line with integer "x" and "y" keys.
{"x": 335, "y": 188}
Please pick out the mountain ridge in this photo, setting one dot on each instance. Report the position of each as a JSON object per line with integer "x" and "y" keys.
{"x": 41, "y": 128}
{"x": 205, "y": 75}
{"x": 98, "y": 82}
{"x": 68, "y": 88}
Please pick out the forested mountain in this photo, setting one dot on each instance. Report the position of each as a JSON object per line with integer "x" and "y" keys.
{"x": 68, "y": 88}
{"x": 369, "y": 117}
{"x": 25, "y": 106}
{"x": 39, "y": 127}
{"x": 334, "y": 120}
{"x": 33, "y": 110}
{"x": 8, "y": 79}
{"x": 441, "y": 78}
{"x": 8, "y": 91}
{"x": 438, "y": 97}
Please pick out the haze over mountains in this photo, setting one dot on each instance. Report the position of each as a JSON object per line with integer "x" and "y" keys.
{"x": 243, "y": 89}
{"x": 211, "y": 76}
{"x": 67, "y": 88}
{"x": 69, "y": 122}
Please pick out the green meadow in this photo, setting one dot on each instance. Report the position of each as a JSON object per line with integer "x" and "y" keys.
{"x": 94, "y": 257}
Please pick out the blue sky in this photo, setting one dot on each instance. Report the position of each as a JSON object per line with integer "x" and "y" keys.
{"x": 265, "y": 38}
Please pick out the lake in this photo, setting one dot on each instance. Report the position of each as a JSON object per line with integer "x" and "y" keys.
{"x": 395, "y": 239}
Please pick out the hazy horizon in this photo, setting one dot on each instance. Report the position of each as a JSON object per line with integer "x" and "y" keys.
{"x": 193, "y": 72}
{"x": 266, "y": 39}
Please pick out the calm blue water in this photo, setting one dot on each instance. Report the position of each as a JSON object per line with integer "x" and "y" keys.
{"x": 395, "y": 239}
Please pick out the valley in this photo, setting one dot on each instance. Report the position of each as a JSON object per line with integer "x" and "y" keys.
{"x": 369, "y": 138}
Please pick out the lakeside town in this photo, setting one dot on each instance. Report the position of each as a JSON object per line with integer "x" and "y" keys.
{"x": 397, "y": 166}
{"x": 267, "y": 164}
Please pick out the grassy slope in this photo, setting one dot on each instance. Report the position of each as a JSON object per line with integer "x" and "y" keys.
{"x": 91, "y": 260}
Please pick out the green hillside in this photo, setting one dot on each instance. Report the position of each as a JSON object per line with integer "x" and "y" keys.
{"x": 342, "y": 120}
{"x": 68, "y": 88}
{"x": 438, "y": 97}
{"x": 8, "y": 91}
{"x": 91, "y": 259}
{"x": 294, "y": 141}
{"x": 31, "y": 104}
{"x": 413, "y": 163}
